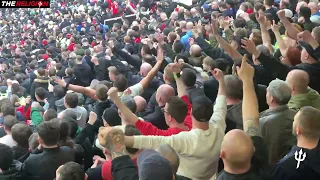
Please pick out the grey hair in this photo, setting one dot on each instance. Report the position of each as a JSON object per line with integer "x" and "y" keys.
{"x": 129, "y": 102}
{"x": 280, "y": 91}
{"x": 264, "y": 49}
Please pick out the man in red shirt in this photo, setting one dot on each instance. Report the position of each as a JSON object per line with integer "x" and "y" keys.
{"x": 176, "y": 111}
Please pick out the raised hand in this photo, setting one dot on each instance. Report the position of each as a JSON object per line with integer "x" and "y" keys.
{"x": 246, "y": 71}
{"x": 113, "y": 93}
{"x": 281, "y": 14}
{"x": 249, "y": 46}
{"x": 92, "y": 118}
{"x": 275, "y": 27}
{"x": 261, "y": 18}
{"x": 218, "y": 74}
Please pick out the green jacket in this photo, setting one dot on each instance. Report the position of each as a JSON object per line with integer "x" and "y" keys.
{"x": 311, "y": 98}
{"x": 36, "y": 117}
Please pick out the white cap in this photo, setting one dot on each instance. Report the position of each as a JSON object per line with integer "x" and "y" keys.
{"x": 288, "y": 13}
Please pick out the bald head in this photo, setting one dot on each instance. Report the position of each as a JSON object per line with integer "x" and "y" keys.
{"x": 313, "y": 7}
{"x": 298, "y": 80}
{"x": 145, "y": 68}
{"x": 237, "y": 149}
{"x": 141, "y": 103}
{"x": 189, "y": 26}
{"x": 195, "y": 50}
{"x": 164, "y": 92}
{"x": 171, "y": 155}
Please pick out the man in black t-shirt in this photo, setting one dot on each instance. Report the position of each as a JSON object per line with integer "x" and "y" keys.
{"x": 303, "y": 161}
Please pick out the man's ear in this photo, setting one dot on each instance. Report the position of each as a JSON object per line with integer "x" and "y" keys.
{"x": 86, "y": 177}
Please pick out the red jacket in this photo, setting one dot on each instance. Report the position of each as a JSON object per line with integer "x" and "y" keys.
{"x": 147, "y": 128}
{"x": 25, "y": 111}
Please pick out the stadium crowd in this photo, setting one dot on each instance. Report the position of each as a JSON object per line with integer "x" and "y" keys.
{"x": 161, "y": 90}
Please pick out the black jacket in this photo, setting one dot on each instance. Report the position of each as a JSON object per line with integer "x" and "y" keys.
{"x": 44, "y": 165}
{"x": 123, "y": 168}
{"x": 280, "y": 70}
{"x": 99, "y": 109}
{"x": 157, "y": 118}
{"x": 83, "y": 74}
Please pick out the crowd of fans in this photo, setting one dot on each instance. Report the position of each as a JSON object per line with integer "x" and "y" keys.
{"x": 221, "y": 89}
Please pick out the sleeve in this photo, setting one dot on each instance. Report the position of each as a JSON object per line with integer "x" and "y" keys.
{"x": 9, "y": 93}
{"x": 136, "y": 90}
{"x": 187, "y": 119}
{"x": 274, "y": 67}
{"x": 36, "y": 117}
{"x": 86, "y": 132}
{"x": 181, "y": 142}
{"x": 136, "y": 64}
{"x": 219, "y": 112}
{"x": 123, "y": 168}
{"x": 147, "y": 128}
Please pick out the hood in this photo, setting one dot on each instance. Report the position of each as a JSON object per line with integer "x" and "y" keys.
{"x": 60, "y": 105}
{"x": 78, "y": 111}
{"x": 311, "y": 98}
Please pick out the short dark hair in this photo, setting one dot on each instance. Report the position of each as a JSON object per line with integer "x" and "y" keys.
{"x": 131, "y": 130}
{"x": 121, "y": 83}
{"x": 6, "y": 157}
{"x": 72, "y": 100}
{"x": 101, "y": 92}
{"x": 69, "y": 71}
{"x": 178, "y": 46}
{"x": 21, "y": 133}
{"x": 233, "y": 86}
{"x": 309, "y": 122}
{"x": 189, "y": 77}
{"x": 41, "y": 93}
{"x": 50, "y": 114}
{"x": 305, "y": 12}
{"x": 8, "y": 109}
{"x": 49, "y": 132}
{"x": 269, "y": 2}
{"x": 259, "y": 6}
{"x": 72, "y": 171}
{"x": 177, "y": 108}
{"x": 59, "y": 91}
{"x": 9, "y": 121}
{"x": 33, "y": 141}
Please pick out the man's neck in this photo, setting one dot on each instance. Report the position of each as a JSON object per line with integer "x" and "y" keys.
{"x": 295, "y": 93}
{"x": 49, "y": 147}
{"x": 268, "y": 7}
{"x": 232, "y": 101}
{"x": 307, "y": 143}
{"x": 243, "y": 170}
{"x": 181, "y": 126}
{"x": 273, "y": 106}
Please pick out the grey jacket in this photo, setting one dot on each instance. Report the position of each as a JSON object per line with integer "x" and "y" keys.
{"x": 276, "y": 129}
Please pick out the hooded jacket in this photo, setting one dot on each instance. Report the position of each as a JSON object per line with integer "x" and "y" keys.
{"x": 311, "y": 98}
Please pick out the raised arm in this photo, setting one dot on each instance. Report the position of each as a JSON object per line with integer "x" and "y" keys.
{"x": 146, "y": 80}
{"x": 250, "y": 109}
{"x": 79, "y": 89}
{"x": 291, "y": 29}
{"x": 220, "y": 108}
{"x": 266, "y": 39}
{"x": 233, "y": 53}
{"x": 282, "y": 45}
